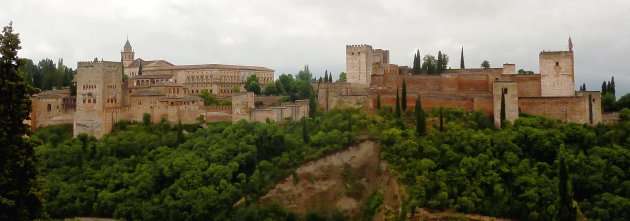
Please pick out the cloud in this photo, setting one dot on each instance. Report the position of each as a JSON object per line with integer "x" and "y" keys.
{"x": 286, "y": 34}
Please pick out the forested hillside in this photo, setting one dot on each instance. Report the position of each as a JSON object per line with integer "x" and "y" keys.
{"x": 513, "y": 172}
{"x": 172, "y": 172}
{"x": 459, "y": 163}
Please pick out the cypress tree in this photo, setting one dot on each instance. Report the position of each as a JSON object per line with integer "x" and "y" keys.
{"x": 417, "y": 63}
{"x": 461, "y": 62}
{"x": 441, "y": 119}
{"x": 403, "y": 100}
{"x": 421, "y": 123}
{"x": 503, "y": 118}
{"x": 604, "y": 88}
{"x": 305, "y": 136}
{"x": 584, "y": 86}
{"x": 17, "y": 157}
{"x": 312, "y": 105}
{"x": 330, "y": 78}
{"x": 326, "y": 76}
{"x": 378, "y": 101}
{"x": 180, "y": 133}
{"x": 612, "y": 86}
{"x": 439, "y": 62}
{"x": 397, "y": 105}
{"x": 566, "y": 210}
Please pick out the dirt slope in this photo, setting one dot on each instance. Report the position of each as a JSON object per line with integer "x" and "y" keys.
{"x": 340, "y": 181}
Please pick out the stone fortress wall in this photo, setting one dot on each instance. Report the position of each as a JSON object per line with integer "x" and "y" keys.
{"x": 550, "y": 93}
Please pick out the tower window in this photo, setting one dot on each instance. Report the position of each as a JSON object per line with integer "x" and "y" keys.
{"x": 557, "y": 63}
{"x": 48, "y": 108}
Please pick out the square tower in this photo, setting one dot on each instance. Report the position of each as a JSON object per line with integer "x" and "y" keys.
{"x": 556, "y": 74}
{"x": 359, "y": 61}
{"x": 99, "y": 86}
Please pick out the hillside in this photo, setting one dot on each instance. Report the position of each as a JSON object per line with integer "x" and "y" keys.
{"x": 342, "y": 181}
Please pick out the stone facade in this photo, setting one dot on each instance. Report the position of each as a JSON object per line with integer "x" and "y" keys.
{"x": 550, "y": 93}
{"x": 165, "y": 91}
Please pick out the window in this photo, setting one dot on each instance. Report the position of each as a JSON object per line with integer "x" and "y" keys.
{"x": 557, "y": 63}
{"x": 48, "y": 108}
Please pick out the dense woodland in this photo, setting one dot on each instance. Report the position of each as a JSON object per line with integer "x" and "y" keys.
{"x": 172, "y": 172}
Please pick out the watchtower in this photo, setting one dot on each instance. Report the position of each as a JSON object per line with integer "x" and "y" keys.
{"x": 557, "y": 73}
{"x": 359, "y": 61}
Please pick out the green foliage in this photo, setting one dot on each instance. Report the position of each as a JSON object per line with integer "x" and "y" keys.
{"x": 371, "y": 205}
{"x": 397, "y": 105}
{"x": 608, "y": 102}
{"x": 421, "y": 122}
{"x": 210, "y": 99}
{"x": 253, "y": 84}
{"x": 523, "y": 72}
{"x": 158, "y": 172}
{"x": 442, "y": 62}
{"x": 403, "y": 98}
{"x": 624, "y": 114}
{"x": 146, "y": 119}
{"x": 417, "y": 66}
{"x": 514, "y": 172}
{"x": 378, "y": 101}
{"x": 429, "y": 65}
{"x": 342, "y": 78}
{"x": 18, "y": 191}
{"x": 485, "y": 64}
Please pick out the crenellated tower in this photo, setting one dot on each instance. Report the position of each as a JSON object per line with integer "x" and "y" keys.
{"x": 557, "y": 73}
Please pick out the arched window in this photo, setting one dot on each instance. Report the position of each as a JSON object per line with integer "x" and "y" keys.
{"x": 48, "y": 108}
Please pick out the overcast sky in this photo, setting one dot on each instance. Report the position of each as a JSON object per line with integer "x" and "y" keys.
{"x": 287, "y": 34}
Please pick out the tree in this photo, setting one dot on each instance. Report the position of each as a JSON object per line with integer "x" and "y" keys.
{"x": 583, "y": 86}
{"x": 330, "y": 80}
{"x": 611, "y": 86}
{"x": 146, "y": 119}
{"x": 326, "y": 76}
{"x": 253, "y": 84}
{"x": 485, "y": 64}
{"x": 441, "y": 119}
{"x": 342, "y": 77}
{"x": 397, "y": 105}
{"x": 429, "y": 64}
{"x": 502, "y": 117}
{"x": 403, "y": 100}
{"x": 18, "y": 199}
{"x": 305, "y": 136}
{"x": 604, "y": 88}
{"x": 271, "y": 89}
{"x": 378, "y": 101}
{"x": 417, "y": 66}
{"x": 421, "y": 123}
{"x": 566, "y": 210}
{"x": 608, "y": 102}
{"x": 312, "y": 105}
{"x": 442, "y": 62}
{"x": 461, "y": 61}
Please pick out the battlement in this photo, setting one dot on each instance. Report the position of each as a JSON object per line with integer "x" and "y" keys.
{"x": 90, "y": 64}
{"x": 360, "y": 46}
{"x": 555, "y": 52}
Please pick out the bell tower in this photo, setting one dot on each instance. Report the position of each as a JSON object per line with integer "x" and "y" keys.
{"x": 127, "y": 54}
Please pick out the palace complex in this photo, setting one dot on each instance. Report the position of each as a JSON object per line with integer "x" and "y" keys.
{"x": 159, "y": 88}
{"x": 169, "y": 92}
{"x": 549, "y": 93}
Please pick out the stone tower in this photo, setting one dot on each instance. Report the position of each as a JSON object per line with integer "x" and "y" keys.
{"x": 359, "y": 64}
{"x": 127, "y": 54}
{"x": 556, "y": 73}
{"x": 99, "y": 87}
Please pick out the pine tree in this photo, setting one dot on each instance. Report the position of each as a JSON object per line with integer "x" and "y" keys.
{"x": 378, "y": 101}
{"x": 18, "y": 199}
{"x": 397, "y": 105}
{"x": 403, "y": 100}
{"x": 566, "y": 210}
{"x": 503, "y": 117}
{"x": 461, "y": 62}
{"x": 421, "y": 123}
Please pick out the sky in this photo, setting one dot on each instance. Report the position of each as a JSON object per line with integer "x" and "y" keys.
{"x": 285, "y": 35}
